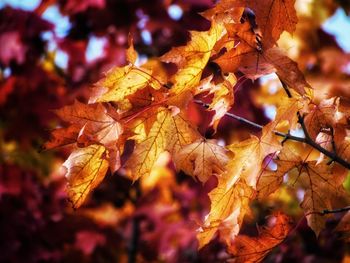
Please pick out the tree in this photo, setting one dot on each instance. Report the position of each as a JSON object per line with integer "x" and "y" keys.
{"x": 144, "y": 120}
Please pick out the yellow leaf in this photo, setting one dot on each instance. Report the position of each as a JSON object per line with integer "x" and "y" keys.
{"x": 202, "y": 159}
{"x": 227, "y": 210}
{"x": 170, "y": 132}
{"x": 122, "y": 82}
{"x": 249, "y": 156}
{"x": 223, "y": 99}
{"x": 131, "y": 54}
{"x": 229, "y": 201}
{"x": 86, "y": 168}
{"x": 192, "y": 58}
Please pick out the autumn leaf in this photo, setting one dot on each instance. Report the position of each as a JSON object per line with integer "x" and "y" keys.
{"x": 245, "y": 58}
{"x": 229, "y": 204}
{"x": 341, "y": 138}
{"x": 287, "y": 70}
{"x": 249, "y": 156}
{"x": 86, "y": 168}
{"x": 122, "y": 82}
{"x": 63, "y": 137}
{"x": 314, "y": 178}
{"x": 192, "y": 58}
{"x": 254, "y": 249}
{"x": 202, "y": 159}
{"x": 131, "y": 54}
{"x": 223, "y": 98}
{"x": 270, "y": 180}
{"x": 320, "y": 117}
{"x": 273, "y": 17}
{"x": 322, "y": 183}
{"x": 88, "y": 124}
{"x": 230, "y": 199}
{"x": 254, "y": 64}
{"x": 170, "y": 132}
{"x": 224, "y": 13}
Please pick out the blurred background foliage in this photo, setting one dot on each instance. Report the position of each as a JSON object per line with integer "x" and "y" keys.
{"x": 52, "y": 51}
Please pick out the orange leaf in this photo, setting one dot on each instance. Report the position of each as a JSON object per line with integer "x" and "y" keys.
{"x": 254, "y": 249}
{"x": 202, "y": 159}
{"x": 229, "y": 204}
{"x": 86, "y": 168}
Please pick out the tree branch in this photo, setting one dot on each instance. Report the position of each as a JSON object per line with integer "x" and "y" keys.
{"x": 287, "y": 136}
{"x": 308, "y": 140}
{"x": 334, "y": 211}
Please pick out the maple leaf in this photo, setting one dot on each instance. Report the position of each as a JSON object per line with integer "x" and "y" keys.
{"x": 223, "y": 96}
{"x": 86, "y": 168}
{"x": 170, "y": 132}
{"x": 287, "y": 70}
{"x": 228, "y": 207}
{"x": 223, "y": 99}
{"x": 222, "y": 13}
{"x": 273, "y": 17}
{"x": 342, "y": 141}
{"x": 121, "y": 82}
{"x": 254, "y": 249}
{"x": 245, "y": 58}
{"x": 254, "y": 64}
{"x": 89, "y": 123}
{"x": 321, "y": 182}
{"x": 320, "y": 117}
{"x": 192, "y": 58}
{"x": 230, "y": 199}
{"x": 202, "y": 159}
{"x": 249, "y": 156}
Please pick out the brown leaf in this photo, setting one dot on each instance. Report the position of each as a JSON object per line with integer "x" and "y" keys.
{"x": 273, "y": 17}
{"x": 287, "y": 70}
{"x": 320, "y": 117}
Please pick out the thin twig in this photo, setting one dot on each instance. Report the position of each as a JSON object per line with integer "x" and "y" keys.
{"x": 287, "y": 136}
{"x": 334, "y": 211}
{"x": 308, "y": 140}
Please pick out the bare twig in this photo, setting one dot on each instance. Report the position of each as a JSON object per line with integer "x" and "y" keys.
{"x": 307, "y": 140}
{"x": 334, "y": 211}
